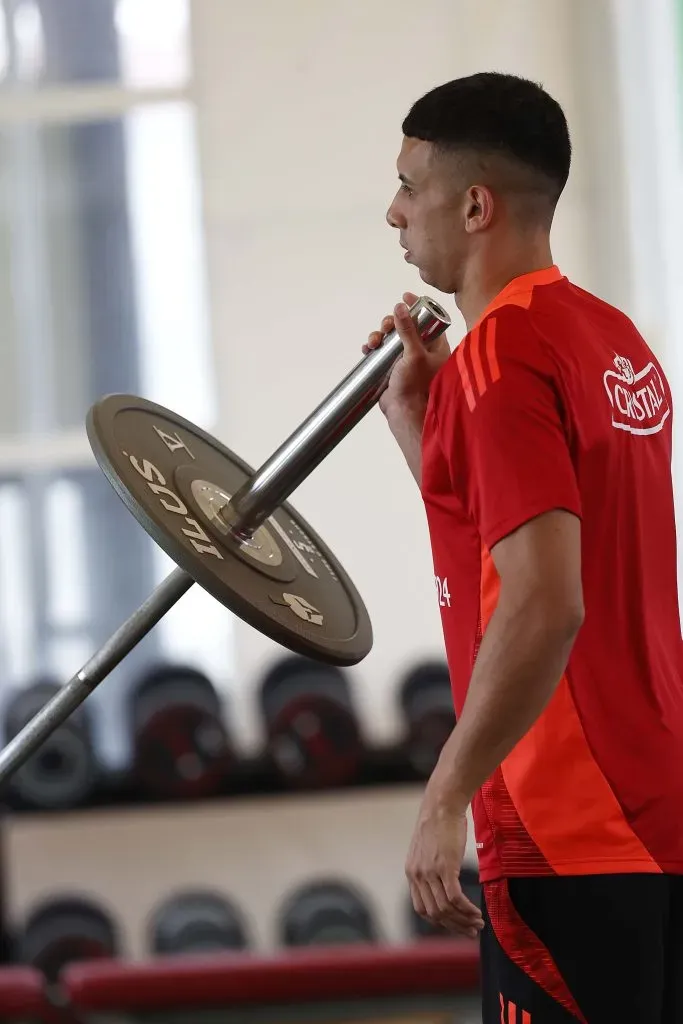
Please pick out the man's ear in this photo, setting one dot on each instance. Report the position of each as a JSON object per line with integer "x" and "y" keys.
{"x": 479, "y": 204}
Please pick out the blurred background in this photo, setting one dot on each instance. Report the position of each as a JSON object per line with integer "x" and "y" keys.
{"x": 192, "y": 201}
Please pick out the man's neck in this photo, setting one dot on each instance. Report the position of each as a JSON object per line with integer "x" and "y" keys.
{"x": 485, "y": 279}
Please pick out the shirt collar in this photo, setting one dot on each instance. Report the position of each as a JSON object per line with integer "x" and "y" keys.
{"x": 522, "y": 286}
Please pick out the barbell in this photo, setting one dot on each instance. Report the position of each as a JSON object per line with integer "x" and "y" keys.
{"x": 231, "y": 529}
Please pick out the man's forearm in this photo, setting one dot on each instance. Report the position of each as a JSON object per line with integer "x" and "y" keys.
{"x": 405, "y": 423}
{"x": 521, "y": 660}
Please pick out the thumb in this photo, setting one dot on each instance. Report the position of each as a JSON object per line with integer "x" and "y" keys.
{"x": 407, "y": 331}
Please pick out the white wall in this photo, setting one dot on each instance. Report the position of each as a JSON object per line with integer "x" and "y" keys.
{"x": 299, "y": 114}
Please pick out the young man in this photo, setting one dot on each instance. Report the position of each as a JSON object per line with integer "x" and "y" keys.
{"x": 542, "y": 447}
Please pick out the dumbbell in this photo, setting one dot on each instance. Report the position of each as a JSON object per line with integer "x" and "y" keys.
{"x": 427, "y": 705}
{"x": 63, "y": 930}
{"x": 65, "y": 771}
{"x": 312, "y": 732}
{"x": 181, "y": 748}
{"x": 198, "y": 921}
{"x": 418, "y": 928}
{"x": 326, "y": 912}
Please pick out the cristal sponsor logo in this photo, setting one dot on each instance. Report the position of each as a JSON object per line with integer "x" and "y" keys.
{"x": 638, "y": 400}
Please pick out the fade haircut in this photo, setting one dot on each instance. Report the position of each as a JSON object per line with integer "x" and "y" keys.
{"x": 513, "y": 128}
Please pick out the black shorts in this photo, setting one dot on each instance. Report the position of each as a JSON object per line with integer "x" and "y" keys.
{"x": 602, "y": 949}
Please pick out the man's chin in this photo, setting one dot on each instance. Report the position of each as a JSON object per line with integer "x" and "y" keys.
{"x": 428, "y": 278}
{"x": 433, "y": 281}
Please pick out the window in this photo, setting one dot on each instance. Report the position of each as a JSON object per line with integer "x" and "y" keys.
{"x": 103, "y": 291}
{"x": 133, "y": 43}
{"x": 102, "y": 288}
{"x": 651, "y": 120}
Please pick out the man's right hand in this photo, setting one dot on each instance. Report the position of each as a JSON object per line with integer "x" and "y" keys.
{"x": 413, "y": 372}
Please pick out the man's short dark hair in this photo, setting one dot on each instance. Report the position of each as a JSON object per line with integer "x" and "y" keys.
{"x": 496, "y": 114}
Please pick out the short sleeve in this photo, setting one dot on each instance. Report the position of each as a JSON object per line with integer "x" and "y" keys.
{"x": 503, "y": 428}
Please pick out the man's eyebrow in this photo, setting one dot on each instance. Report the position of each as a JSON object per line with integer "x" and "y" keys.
{"x": 405, "y": 180}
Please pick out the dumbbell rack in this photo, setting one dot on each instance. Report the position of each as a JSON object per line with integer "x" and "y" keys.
{"x": 254, "y": 849}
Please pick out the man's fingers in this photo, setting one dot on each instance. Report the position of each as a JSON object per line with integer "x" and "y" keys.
{"x": 423, "y": 901}
{"x": 457, "y": 899}
{"x": 376, "y": 338}
{"x": 374, "y": 341}
{"x": 412, "y": 343}
{"x": 444, "y": 903}
{"x": 450, "y": 919}
{"x": 418, "y": 902}
{"x": 402, "y": 321}
{"x": 471, "y": 909}
{"x": 454, "y": 915}
{"x": 446, "y": 916}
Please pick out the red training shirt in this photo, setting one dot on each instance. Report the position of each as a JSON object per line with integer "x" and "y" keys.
{"x": 554, "y": 401}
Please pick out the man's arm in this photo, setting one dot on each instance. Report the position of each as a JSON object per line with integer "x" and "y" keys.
{"x": 504, "y": 436}
{"x": 523, "y": 654}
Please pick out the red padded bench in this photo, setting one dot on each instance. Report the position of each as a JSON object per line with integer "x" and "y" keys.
{"x": 22, "y": 998}
{"x": 429, "y": 972}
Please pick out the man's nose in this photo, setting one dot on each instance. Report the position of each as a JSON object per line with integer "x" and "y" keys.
{"x": 394, "y": 218}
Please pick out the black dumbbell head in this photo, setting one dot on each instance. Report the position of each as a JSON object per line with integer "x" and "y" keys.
{"x": 65, "y": 771}
{"x": 427, "y": 704}
{"x": 313, "y": 734}
{"x": 181, "y": 746}
{"x": 427, "y": 676}
{"x": 197, "y": 921}
{"x": 326, "y": 912}
{"x": 172, "y": 682}
{"x": 63, "y": 930}
{"x": 293, "y": 674}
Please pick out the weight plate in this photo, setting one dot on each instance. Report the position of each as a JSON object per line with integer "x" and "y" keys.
{"x": 175, "y": 478}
